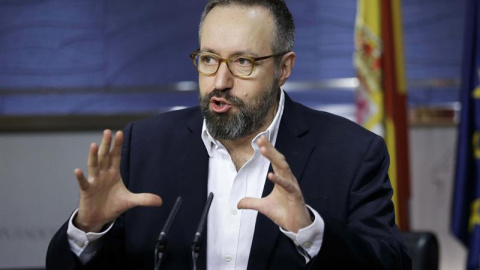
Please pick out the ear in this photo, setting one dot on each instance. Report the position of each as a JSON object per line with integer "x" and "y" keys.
{"x": 286, "y": 66}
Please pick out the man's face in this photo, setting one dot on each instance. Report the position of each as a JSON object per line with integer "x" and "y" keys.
{"x": 236, "y": 107}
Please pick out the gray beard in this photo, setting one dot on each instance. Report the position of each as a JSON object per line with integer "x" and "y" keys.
{"x": 248, "y": 119}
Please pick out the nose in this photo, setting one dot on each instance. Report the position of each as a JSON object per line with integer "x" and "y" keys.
{"x": 223, "y": 78}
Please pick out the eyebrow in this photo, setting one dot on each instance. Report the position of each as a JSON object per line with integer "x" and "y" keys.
{"x": 236, "y": 53}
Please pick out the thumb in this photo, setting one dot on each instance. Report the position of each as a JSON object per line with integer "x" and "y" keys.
{"x": 146, "y": 199}
{"x": 250, "y": 203}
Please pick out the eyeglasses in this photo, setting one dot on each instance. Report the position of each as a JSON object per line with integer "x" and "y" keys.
{"x": 207, "y": 63}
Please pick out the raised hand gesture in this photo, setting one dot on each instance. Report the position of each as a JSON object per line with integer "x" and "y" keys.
{"x": 285, "y": 205}
{"x": 103, "y": 195}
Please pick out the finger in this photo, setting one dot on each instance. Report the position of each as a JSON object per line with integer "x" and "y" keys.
{"x": 251, "y": 203}
{"x": 93, "y": 160}
{"x": 145, "y": 199}
{"x": 116, "y": 154}
{"x": 276, "y": 158}
{"x": 284, "y": 183}
{"x": 104, "y": 151}
{"x": 82, "y": 181}
{"x": 267, "y": 149}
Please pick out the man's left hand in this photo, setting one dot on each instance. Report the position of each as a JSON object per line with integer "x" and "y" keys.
{"x": 285, "y": 205}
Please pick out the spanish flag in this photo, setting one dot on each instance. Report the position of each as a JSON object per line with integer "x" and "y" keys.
{"x": 381, "y": 96}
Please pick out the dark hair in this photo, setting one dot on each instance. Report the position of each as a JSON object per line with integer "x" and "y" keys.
{"x": 284, "y": 35}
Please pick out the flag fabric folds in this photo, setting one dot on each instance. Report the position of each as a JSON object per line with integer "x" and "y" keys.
{"x": 466, "y": 202}
{"x": 381, "y": 96}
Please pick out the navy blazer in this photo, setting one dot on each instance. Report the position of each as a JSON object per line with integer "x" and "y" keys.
{"x": 340, "y": 166}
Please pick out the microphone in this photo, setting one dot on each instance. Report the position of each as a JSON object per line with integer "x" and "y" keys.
{"x": 162, "y": 238}
{"x": 197, "y": 238}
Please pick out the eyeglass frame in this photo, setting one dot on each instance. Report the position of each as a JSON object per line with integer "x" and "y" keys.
{"x": 221, "y": 60}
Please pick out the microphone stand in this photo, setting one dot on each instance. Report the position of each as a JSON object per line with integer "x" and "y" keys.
{"x": 162, "y": 238}
{"x": 197, "y": 238}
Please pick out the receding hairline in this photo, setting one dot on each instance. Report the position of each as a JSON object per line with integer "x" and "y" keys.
{"x": 244, "y": 6}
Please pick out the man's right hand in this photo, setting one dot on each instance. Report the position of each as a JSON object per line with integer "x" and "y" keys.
{"x": 103, "y": 196}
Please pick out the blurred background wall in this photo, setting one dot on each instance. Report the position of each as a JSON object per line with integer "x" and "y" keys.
{"x": 69, "y": 69}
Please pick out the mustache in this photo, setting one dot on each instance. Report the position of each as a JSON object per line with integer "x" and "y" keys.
{"x": 225, "y": 95}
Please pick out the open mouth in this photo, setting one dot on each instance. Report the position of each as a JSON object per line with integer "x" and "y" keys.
{"x": 219, "y": 105}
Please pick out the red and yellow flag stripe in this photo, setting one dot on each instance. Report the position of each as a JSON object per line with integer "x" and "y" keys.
{"x": 383, "y": 88}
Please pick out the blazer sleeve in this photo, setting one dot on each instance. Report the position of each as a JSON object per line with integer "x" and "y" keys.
{"x": 59, "y": 255}
{"x": 110, "y": 254}
{"x": 368, "y": 238}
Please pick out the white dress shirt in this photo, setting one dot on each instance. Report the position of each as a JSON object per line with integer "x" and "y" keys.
{"x": 230, "y": 230}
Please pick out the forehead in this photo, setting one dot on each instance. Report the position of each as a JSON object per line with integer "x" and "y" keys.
{"x": 232, "y": 29}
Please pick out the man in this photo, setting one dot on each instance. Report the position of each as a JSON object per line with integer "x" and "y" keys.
{"x": 324, "y": 204}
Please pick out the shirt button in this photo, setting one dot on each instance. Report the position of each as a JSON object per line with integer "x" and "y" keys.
{"x": 79, "y": 244}
{"x": 234, "y": 211}
{"x": 307, "y": 244}
{"x": 228, "y": 258}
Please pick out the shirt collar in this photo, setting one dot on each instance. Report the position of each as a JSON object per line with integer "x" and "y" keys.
{"x": 271, "y": 132}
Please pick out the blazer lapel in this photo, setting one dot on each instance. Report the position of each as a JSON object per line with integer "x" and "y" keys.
{"x": 194, "y": 182}
{"x": 293, "y": 143}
